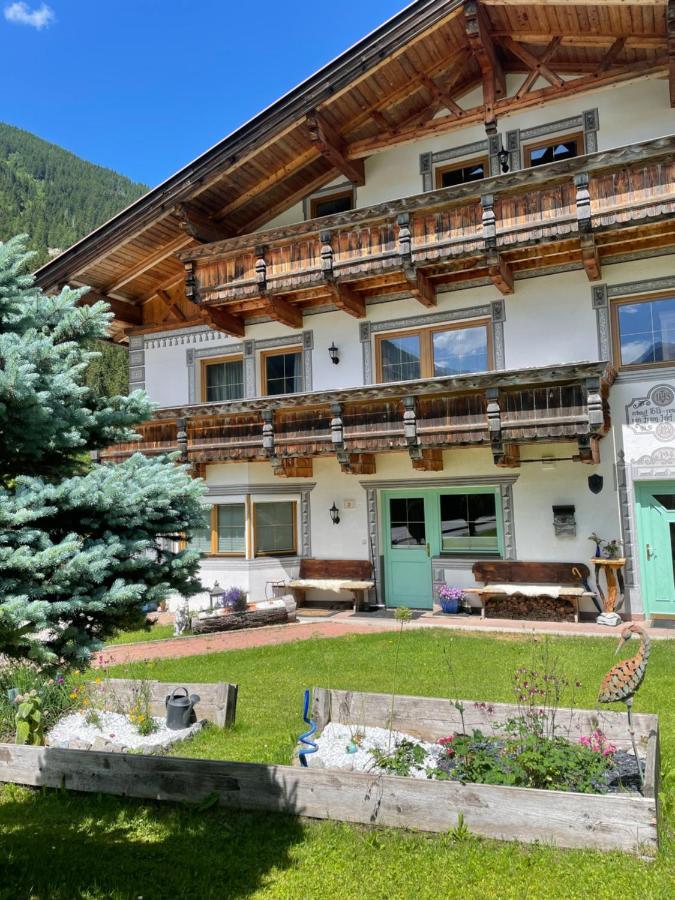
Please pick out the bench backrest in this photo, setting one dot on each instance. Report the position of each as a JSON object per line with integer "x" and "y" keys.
{"x": 348, "y": 569}
{"x": 502, "y": 571}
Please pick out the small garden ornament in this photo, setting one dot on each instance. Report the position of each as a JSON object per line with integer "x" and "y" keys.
{"x": 182, "y": 621}
{"x": 623, "y": 681}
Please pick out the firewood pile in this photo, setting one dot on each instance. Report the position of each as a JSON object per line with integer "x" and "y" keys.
{"x": 518, "y": 606}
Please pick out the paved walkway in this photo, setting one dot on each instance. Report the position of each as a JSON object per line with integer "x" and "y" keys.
{"x": 344, "y": 623}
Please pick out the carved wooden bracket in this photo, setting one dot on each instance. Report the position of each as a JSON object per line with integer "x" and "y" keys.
{"x": 498, "y": 268}
{"x": 428, "y": 460}
{"x": 419, "y": 285}
{"x": 356, "y": 463}
{"x": 589, "y": 250}
{"x": 199, "y": 226}
{"x": 293, "y": 467}
{"x": 333, "y": 148}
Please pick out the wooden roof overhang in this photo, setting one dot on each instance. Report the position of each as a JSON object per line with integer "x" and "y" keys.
{"x": 501, "y": 410}
{"x": 576, "y": 213}
{"x": 407, "y": 79}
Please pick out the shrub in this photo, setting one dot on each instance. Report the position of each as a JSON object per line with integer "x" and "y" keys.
{"x": 234, "y": 598}
{"x": 30, "y": 726}
{"x": 53, "y": 693}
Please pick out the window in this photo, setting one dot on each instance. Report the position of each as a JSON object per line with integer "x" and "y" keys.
{"x": 222, "y": 379}
{"x": 282, "y": 372}
{"x": 226, "y": 534}
{"x": 274, "y": 528}
{"x": 554, "y": 149}
{"x": 469, "y": 523}
{"x": 449, "y": 176}
{"x": 434, "y": 352}
{"x": 644, "y": 331}
{"x": 330, "y": 204}
{"x": 407, "y": 523}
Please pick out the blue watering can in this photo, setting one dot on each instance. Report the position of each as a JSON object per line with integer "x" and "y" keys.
{"x": 180, "y": 708}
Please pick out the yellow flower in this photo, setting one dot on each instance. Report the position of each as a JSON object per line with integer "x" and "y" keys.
{"x": 98, "y": 680}
{"x": 73, "y": 695}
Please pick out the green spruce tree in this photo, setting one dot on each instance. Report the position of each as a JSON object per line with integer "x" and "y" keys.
{"x": 82, "y": 547}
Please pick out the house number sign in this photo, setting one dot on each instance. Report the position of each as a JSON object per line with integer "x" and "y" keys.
{"x": 653, "y": 414}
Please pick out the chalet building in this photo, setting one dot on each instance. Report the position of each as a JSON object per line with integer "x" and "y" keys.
{"x": 421, "y": 310}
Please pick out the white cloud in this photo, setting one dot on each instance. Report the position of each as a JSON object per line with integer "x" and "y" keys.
{"x": 21, "y": 14}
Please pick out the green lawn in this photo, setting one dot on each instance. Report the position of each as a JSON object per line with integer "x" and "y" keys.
{"x": 61, "y": 845}
{"x": 155, "y": 633}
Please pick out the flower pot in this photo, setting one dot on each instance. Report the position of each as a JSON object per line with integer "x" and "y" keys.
{"x": 449, "y": 606}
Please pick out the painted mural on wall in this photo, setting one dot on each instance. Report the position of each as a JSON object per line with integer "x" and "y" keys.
{"x": 654, "y": 414}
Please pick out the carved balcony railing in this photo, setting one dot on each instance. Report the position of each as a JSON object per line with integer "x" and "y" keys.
{"x": 574, "y": 213}
{"x": 500, "y": 410}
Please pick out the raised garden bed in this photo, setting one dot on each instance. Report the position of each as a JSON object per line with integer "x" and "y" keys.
{"x": 625, "y": 822}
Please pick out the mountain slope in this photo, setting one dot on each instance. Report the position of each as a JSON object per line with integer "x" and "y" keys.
{"x": 52, "y": 195}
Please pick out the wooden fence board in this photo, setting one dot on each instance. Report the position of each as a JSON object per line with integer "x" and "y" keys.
{"x": 217, "y": 703}
{"x": 606, "y": 822}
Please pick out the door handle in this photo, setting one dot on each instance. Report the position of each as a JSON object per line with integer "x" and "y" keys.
{"x": 649, "y": 552}
{"x": 427, "y": 549}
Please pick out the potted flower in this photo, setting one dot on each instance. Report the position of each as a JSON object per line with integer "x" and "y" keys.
{"x": 450, "y": 598}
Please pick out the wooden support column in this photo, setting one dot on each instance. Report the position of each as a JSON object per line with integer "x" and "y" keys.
{"x": 182, "y": 438}
{"x": 498, "y": 268}
{"x": 670, "y": 25}
{"x": 191, "y": 291}
{"x": 485, "y": 52}
{"x": 199, "y": 226}
{"x": 268, "y": 432}
{"x": 589, "y": 251}
{"x": 419, "y": 285}
{"x": 332, "y": 147}
{"x": 504, "y": 455}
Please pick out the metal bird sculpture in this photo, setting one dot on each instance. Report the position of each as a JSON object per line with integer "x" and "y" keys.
{"x": 623, "y": 680}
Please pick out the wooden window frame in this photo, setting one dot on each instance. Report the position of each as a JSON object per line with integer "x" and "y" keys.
{"x": 283, "y": 553}
{"x": 214, "y": 361}
{"x": 338, "y": 193}
{"x": 616, "y": 334}
{"x": 214, "y": 531}
{"x": 441, "y": 170}
{"x": 577, "y": 136}
{"x": 279, "y": 351}
{"x": 426, "y": 335}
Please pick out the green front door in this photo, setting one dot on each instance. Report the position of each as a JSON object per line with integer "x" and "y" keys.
{"x": 410, "y": 532}
{"x": 656, "y": 533}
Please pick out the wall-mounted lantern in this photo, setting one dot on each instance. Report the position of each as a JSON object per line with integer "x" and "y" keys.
{"x": 334, "y": 514}
{"x": 503, "y": 157}
{"x": 334, "y": 354}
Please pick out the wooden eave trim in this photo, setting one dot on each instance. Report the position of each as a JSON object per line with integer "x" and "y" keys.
{"x": 287, "y": 112}
{"x": 496, "y": 184}
{"x": 460, "y": 384}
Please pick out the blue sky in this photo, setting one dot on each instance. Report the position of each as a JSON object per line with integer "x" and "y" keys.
{"x": 144, "y": 86}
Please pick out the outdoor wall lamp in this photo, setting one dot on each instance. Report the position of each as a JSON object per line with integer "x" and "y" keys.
{"x": 334, "y": 514}
{"x": 334, "y": 354}
{"x": 503, "y": 157}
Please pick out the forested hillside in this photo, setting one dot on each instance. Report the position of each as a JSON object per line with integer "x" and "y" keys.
{"x": 52, "y": 195}
{"x": 56, "y": 198}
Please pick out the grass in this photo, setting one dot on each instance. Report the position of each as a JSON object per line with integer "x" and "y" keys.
{"x": 156, "y": 632}
{"x": 93, "y": 846}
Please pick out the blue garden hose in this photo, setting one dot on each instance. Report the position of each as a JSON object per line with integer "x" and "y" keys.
{"x": 304, "y": 738}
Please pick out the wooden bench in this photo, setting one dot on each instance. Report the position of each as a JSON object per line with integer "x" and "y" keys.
{"x": 552, "y": 580}
{"x": 335, "y": 575}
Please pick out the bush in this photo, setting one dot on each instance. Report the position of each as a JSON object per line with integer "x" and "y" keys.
{"x": 234, "y": 598}
{"x": 53, "y": 693}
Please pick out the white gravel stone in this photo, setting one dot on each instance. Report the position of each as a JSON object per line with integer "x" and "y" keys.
{"x": 333, "y": 742}
{"x": 116, "y": 732}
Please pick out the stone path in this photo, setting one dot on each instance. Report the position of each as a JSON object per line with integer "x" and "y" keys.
{"x": 347, "y": 622}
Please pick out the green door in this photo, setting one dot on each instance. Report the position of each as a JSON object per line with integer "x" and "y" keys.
{"x": 411, "y": 538}
{"x": 656, "y": 533}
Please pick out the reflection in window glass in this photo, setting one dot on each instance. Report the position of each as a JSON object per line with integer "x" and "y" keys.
{"x": 462, "y": 174}
{"x": 469, "y": 523}
{"x": 224, "y": 381}
{"x": 407, "y": 526}
{"x": 647, "y": 331}
{"x": 553, "y": 152}
{"x": 400, "y": 358}
{"x": 460, "y": 350}
{"x": 275, "y": 528}
{"x": 283, "y": 373}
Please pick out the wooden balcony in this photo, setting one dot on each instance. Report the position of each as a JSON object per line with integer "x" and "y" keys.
{"x": 577, "y": 213}
{"x": 500, "y": 410}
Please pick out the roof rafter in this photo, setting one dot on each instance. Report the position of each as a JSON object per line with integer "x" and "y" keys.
{"x": 150, "y": 262}
{"x": 537, "y": 64}
{"x": 331, "y": 146}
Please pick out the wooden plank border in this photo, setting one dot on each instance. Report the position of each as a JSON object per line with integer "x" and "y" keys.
{"x": 217, "y": 703}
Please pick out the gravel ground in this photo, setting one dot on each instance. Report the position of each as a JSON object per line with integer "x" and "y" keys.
{"x": 332, "y": 752}
{"x": 116, "y": 731}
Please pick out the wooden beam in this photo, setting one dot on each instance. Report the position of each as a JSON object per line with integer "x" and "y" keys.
{"x": 126, "y": 313}
{"x": 293, "y": 467}
{"x": 500, "y": 272}
{"x": 282, "y": 311}
{"x": 357, "y": 463}
{"x": 430, "y": 460}
{"x": 171, "y": 307}
{"x": 223, "y": 321}
{"x": 346, "y": 298}
{"x": 611, "y": 55}
{"x": 276, "y": 209}
{"x": 200, "y": 227}
{"x": 149, "y": 262}
{"x": 537, "y": 64}
{"x": 670, "y": 28}
{"x": 508, "y": 105}
{"x": 477, "y": 29}
{"x": 420, "y": 287}
{"x": 509, "y": 458}
{"x": 331, "y": 146}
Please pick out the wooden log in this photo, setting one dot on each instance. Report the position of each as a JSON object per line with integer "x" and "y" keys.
{"x": 234, "y": 621}
{"x": 614, "y": 822}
